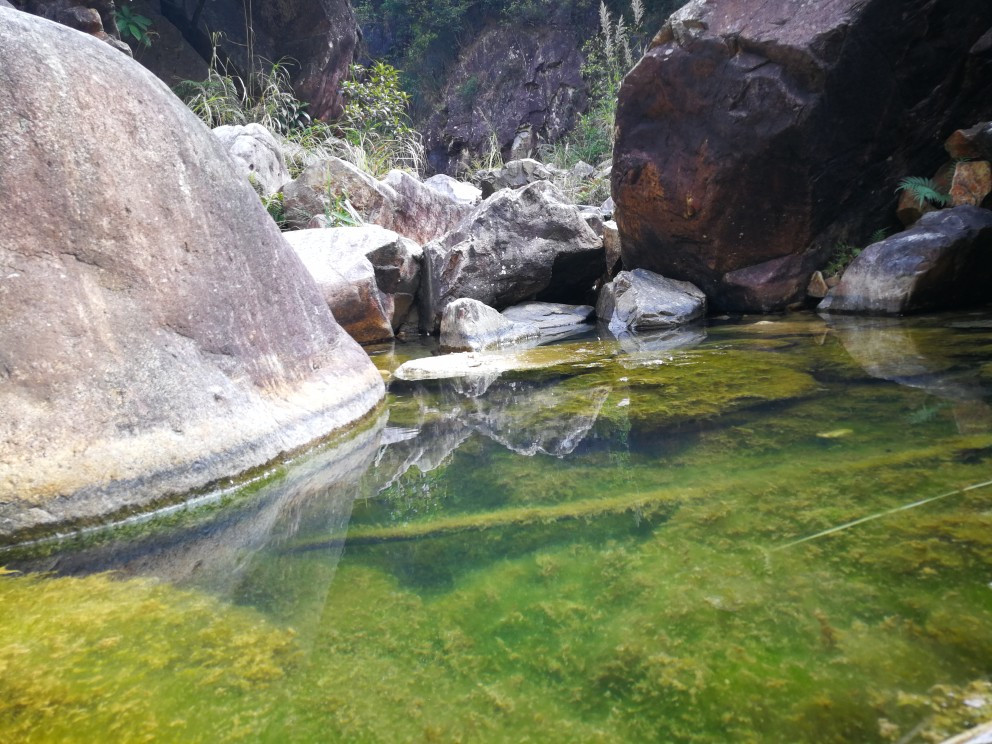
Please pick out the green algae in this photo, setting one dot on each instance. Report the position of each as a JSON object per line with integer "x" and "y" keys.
{"x": 629, "y": 591}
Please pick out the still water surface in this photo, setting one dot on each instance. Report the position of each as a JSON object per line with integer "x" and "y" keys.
{"x": 609, "y": 549}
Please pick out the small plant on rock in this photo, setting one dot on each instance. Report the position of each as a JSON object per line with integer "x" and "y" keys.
{"x": 133, "y": 25}
{"x": 924, "y": 190}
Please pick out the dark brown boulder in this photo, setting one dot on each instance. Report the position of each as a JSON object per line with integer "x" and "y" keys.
{"x": 509, "y": 77}
{"x": 319, "y": 36}
{"x": 755, "y": 135}
{"x": 156, "y": 331}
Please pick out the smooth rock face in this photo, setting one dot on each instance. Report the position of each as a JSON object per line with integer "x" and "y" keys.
{"x": 943, "y": 262}
{"x": 551, "y": 318}
{"x": 347, "y": 280}
{"x": 461, "y": 191}
{"x": 400, "y": 202}
{"x": 746, "y": 145}
{"x": 517, "y": 245}
{"x": 156, "y": 332}
{"x": 511, "y": 76}
{"x": 641, "y": 300}
{"x": 257, "y": 155}
{"x": 469, "y": 325}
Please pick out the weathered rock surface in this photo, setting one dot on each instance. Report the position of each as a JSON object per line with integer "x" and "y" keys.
{"x": 510, "y": 77}
{"x": 551, "y": 318}
{"x": 747, "y": 139}
{"x": 420, "y": 212}
{"x": 943, "y": 262}
{"x": 517, "y": 245}
{"x": 460, "y": 191}
{"x": 93, "y": 17}
{"x": 469, "y": 325}
{"x": 974, "y": 142}
{"x": 156, "y": 332}
{"x": 513, "y": 175}
{"x": 257, "y": 155}
{"x": 972, "y": 182}
{"x": 400, "y": 202}
{"x": 336, "y": 259}
{"x": 641, "y": 300}
{"x": 320, "y": 36}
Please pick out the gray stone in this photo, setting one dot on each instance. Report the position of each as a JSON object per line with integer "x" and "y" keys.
{"x": 517, "y": 245}
{"x": 469, "y": 325}
{"x": 420, "y": 212}
{"x": 400, "y": 202}
{"x": 512, "y": 175}
{"x": 460, "y": 191}
{"x": 608, "y": 207}
{"x": 594, "y": 218}
{"x": 257, "y": 155}
{"x": 944, "y": 261}
{"x": 551, "y": 318}
{"x": 817, "y": 287}
{"x": 581, "y": 171}
{"x": 156, "y": 332}
{"x": 347, "y": 281}
{"x": 642, "y": 300}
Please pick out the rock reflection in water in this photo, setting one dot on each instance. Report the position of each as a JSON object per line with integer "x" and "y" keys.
{"x": 219, "y": 550}
{"x": 904, "y": 352}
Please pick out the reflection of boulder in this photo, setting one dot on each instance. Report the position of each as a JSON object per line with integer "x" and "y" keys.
{"x": 216, "y": 550}
{"x": 675, "y": 338}
{"x": 531, "y": 417}
{"x": 893, "y": 349}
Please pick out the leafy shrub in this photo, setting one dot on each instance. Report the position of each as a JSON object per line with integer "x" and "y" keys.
{"x": 375, "y": 123}
{"x": 133, "y": 25}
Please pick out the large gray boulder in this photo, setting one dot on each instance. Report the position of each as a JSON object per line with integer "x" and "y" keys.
{"x": 257, "y": 155}
{"x": 944, "y": 261}
{"x": 460, "y": 191}
{"x": 641, "y": 300}
{"x": 517, "y": 245}
{"x": 156, "y": 332}
{"x": 420, "y": 212}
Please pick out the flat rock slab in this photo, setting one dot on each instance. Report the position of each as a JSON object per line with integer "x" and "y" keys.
{"x": 641, "y": 300}
{"x": 944, "y": 261}
{"x": 551, "y": 317}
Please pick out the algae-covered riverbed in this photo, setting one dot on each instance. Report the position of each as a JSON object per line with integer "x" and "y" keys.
{"x": 611, "y": 547}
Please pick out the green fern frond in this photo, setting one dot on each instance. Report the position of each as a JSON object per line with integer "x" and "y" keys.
{"x": 924, "y": 190}
{"x": 879, "y": 235}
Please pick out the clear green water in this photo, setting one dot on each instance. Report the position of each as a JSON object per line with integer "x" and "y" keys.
{"x": 598, "y": 551}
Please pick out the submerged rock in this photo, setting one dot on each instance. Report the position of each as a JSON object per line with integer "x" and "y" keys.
{"x": 943, "y": 262}
{"x": 515, "y": 246}
{"x": 156, "y": 331}
{"x": 742, "y": 153}
{"x": 551, "y": 318}
{"x": 640, "y": 300}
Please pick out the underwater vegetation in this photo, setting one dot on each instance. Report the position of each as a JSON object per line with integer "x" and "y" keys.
{"x": 653, "y": 570}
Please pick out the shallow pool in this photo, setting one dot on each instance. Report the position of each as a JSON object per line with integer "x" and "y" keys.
{"x": 761, "y": 530}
